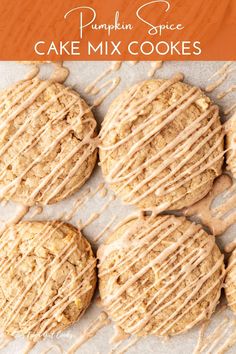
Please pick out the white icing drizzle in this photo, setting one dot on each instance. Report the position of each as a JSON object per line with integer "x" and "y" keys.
{"x": 230, "y": 109}
{"x": 29, "y": 346}
{"x": 119, "y": 335}
{"x": 105, "y": 229}
{"x": 155, "y": 65}
{"x": 54, "y": 346}
{"x": 103, "y": 191}
{"x": 200, "y": 340}
{"x": 224, "y": 332}
{"x": 222, "y": 69}
{"x": 90, "y": 332}
{"x": 115, "y": 66}
{"x": 37, "y": 211}
{"x": 133, "y": 62}
{"x": 122, "y": 350}
{"x": 94, "y": 216}
{"x": 223, "y": 74}
{"x": 230, "y": 247}
{"x": 33, "y": 73}
{"x": 151, "y": 235}
{"x": 229, "y": 343}
{"x": 178, "y": 147}
{"x": 220, "y": 218}
{"x": 60, "y": 73}
{"x": 111, "y": 83}
{"x": 226, "y": 92}
{"x": 35, "y": 68}
{"x": 78, "y": 203}
{"x": 5, "y": 340}
{"x": 83, "y": 198}
{"x": 215, "y": 337}
{"x": 20, "y": 214}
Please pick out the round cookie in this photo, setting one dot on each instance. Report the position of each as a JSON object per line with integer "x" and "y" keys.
{"x": 230, "y": 282}
{"x": 47, "y": 142}
{"x": 231, "y": 145}
{"x": 161, "y": 145}
{"x": 159, "y": 275}
{"x": 47, "y": 278}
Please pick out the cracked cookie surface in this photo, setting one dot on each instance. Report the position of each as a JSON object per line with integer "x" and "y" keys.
{"x": 161, "y": 145}
{"x": 47, "y": 278}
{"x": 47, "y": 142}
{"x": 159, "y": 275}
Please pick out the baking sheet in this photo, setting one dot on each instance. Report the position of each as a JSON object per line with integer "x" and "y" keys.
{"x": 196, "y": 73}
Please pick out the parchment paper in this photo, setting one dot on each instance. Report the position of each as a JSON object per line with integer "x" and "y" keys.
{"x": 82, "y": 73}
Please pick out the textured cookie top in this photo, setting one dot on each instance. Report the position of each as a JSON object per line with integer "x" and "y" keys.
{"x": 159, "y": 275}
{"x": 230, "y": 282}
{"x": 47, "y": 278}
{"x": 47, "y": 142}
{"x": 231, "y": 145}
{"x": 161, "y": 144}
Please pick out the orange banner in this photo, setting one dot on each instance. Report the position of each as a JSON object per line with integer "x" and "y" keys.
{"x": 117, "y": 30}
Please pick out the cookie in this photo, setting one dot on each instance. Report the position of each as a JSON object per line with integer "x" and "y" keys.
{"x": 159, "y": 275}
{"x": 47, "y": 278}
{"x": 230, "y": 282}
{"x": 231, "y": 145}
{"x": 47, "y": 142}
{"x": 161, "y": 145}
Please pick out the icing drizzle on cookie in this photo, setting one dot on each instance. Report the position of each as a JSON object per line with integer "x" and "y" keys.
{"x": 52, "y": 183}
{"x": 183, "y": 147}
{"x": 155, "y": 65}
{"x": 38, "y": 321}
{"x": 178, "y": 260}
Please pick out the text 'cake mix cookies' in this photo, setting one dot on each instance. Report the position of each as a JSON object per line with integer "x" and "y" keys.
{"x": 230, "y": 282}
{"x": 161, "y": 144}
{"x": 159, "y": 275}
{"x": 47, "y": 278}
{"x": 231, "y": 145}
{"x": 47, "y": 142}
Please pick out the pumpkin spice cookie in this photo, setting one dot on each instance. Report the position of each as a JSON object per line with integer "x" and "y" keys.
{"x": 159, "y": 275}
{"x": 47, "y": 278}
{"x": 231, "y": 145}
{"x": 230, "y": 282}
{"x": 47, "y": 142}
{"x": 161, "y": 145}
